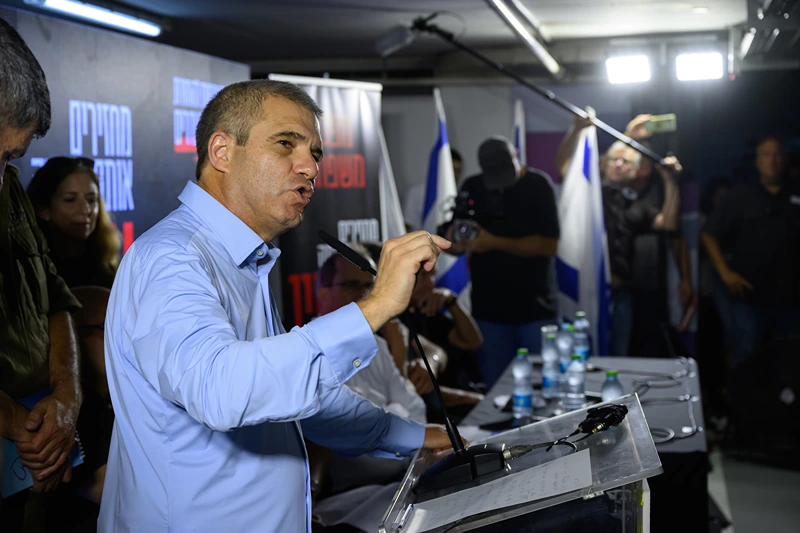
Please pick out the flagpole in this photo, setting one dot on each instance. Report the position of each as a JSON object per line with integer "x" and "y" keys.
{"x": 422, "y": 24}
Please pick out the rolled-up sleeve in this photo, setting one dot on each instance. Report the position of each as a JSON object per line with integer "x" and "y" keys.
{"x": 186, "y": 348}
{"x": 352, "y": 425}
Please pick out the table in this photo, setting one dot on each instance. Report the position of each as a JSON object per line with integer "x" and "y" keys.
{"x": 680, "y": 495}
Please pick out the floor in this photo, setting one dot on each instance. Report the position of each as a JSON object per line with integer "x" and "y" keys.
{"x": 755, "y": 498}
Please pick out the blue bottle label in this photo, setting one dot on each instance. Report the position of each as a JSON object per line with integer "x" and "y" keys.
{"x": 546, "y": 382}
{"x": 583, "y": 353}
{"x": 523, "y": 400}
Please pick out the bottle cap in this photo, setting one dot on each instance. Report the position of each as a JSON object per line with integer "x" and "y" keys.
{"x": 577, "y": 357}
{"x": 550, "y": 336}
{"x": 570, "y": 328}
{"x": 611, "y": 374}
{"x": 522, "y": 351}
{"x": 580, "y": 314}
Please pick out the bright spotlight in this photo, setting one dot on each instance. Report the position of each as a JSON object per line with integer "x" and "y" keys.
{"x": 699, "y": 66}
{"x": 628, "y": 69}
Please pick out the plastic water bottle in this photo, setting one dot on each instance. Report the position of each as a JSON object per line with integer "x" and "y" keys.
{"x": 581, "y": 323}
{"x": 523, "y": 384}
{"x": 580, "y": 345}
{"x": 582, "y": 326}
{"x": 564, "y": 346}
{"x": 612, "y": 388}
{"x": 575, "y": 391}
{"x": 551, "y": 374}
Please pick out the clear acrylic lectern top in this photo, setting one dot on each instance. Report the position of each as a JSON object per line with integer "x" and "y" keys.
{"x": 619, "y": 456}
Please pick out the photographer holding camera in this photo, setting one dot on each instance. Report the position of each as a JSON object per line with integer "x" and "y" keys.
{"x": 506, "y": 219}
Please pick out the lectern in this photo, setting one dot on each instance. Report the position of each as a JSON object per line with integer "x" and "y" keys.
{"x": 601, "y": 486}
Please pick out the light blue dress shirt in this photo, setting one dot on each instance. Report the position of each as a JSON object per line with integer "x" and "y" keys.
{"x": 212, "y": 397}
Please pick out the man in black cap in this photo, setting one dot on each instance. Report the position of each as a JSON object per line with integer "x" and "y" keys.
{"x": 511, "y": 258}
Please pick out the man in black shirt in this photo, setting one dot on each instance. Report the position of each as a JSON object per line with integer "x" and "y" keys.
{"x": 757, "y": 225}
{"x": 511, "y": 259}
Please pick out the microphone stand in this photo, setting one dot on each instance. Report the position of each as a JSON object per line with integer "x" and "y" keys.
{"x": 422, "y": 24}
{"x": 464, "y": 464}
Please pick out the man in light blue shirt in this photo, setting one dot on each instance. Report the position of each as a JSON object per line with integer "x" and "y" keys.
{"x": 212, "y": 396}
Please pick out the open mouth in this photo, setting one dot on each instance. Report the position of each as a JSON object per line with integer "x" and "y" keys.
{"x": 305, "y": 192}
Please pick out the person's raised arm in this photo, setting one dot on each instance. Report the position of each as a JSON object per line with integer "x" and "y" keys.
{"x": 182, "y": 342}
{"x": 186, "y": 348}
{"x": 567, "y": 147}
{"x": 668, "y": 218}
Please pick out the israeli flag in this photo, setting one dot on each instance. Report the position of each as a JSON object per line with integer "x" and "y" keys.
{"x": 582, "y": 262}
{"x": 520, "y": 133}
{"x": 440, "y": 193}
{"x": 392, "y": 224}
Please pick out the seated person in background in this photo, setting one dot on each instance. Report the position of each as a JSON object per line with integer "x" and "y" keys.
{"x": 438, "y": 317}
{"x": 84, "y": 244}
{"x": 454, "y": 337}
{"x": 340, "y": 283}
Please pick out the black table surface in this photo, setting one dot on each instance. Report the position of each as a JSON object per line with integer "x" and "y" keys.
{"x": 659, "y": 413}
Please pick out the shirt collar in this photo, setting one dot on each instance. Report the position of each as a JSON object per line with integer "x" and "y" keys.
{"x": 241, "y": 242}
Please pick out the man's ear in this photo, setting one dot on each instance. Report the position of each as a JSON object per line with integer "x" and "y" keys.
{"x": 220, "y": 151}
{"x": 322, "y": 296}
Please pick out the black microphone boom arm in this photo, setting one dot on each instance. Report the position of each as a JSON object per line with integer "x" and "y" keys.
{"x": 465, "y": 464}
{"x": 423, "y": 24}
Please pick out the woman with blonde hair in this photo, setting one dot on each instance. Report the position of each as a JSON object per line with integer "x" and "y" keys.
{"x": 84, "y": 244}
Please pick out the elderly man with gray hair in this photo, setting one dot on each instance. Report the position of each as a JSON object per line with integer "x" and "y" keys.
{"x": 626, "y": 216}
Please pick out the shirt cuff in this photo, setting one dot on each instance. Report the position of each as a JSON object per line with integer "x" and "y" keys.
{"x": 346, "y": 340}
{"x": 402, "y": 439}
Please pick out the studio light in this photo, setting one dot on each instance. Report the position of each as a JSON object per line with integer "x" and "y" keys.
{"x": 747, "y": 42}
{"x": 699, "y": 66}
{"x": 522, "y": 32}
{"x": 100, "y": 15}
{"x": 628, "y": 69}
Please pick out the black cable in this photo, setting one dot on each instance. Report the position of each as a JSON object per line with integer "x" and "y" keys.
{"x": 663, "y": 435}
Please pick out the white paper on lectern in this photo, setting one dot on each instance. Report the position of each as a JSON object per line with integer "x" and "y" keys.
{"x": 565, "y": 474}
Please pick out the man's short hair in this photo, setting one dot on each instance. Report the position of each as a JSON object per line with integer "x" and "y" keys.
{"x": 455, "y": 154}
{"x": 770, "y": 137}
{"x": 24, "y": 97}
{"x": 330, "y": 267}
{"x": 637, "y": 158}
{"x": 236, "y": 109}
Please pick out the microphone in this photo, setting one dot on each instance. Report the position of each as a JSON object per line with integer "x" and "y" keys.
{"x": 394, "y": 39}
{"x": 464, "y": 464}
{"x": 400, "y": 36}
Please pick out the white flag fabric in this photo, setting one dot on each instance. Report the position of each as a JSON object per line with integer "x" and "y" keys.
{"x": 520, "y": 133}
{"x": 582, "y": 262}
{"x": 440, "y": 193}
{"x": 391, "y": 213}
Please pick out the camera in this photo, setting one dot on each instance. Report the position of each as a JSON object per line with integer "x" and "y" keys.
{"x": 463, "y": 220}
{"x": 465, "y": 227}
